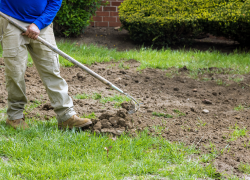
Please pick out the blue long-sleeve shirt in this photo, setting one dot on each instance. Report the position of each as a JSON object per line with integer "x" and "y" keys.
{"x": 39, "y": 12}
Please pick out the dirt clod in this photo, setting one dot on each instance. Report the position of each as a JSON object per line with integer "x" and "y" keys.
{"x": 105, "y": 115}
{"x": 122, "y": 113}
{"x": 106, "y": 124}
{"x": 80, "y": 76}
{"x": 183, "y": 69}
{"x": 114, "y": 120}
{"x": 125, "y": 105}
{"x": 206, "y": 101}
{"x": 28, "y": 74}
{"x": 98, "y": 126}
{"x": 109, "y": 72}
{"x": 47, "y": 107}
{"x": 176, "y": 89}
{"x": 122, "y": 122}
{"x": 214, "y": 93}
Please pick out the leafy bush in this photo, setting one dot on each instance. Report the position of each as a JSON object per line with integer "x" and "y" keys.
{"x": 74, "y": 16}
{"x": 158, "y": 21}
{"x": 231, "y": 20}
{"x": 167, "y": 22}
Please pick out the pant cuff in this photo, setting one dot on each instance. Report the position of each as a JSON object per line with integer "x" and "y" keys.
{"x": 12, "y": 118}
{"x": 68, "y": 114}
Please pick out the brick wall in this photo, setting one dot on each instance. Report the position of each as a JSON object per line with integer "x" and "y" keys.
{"x": 107, "y": 16}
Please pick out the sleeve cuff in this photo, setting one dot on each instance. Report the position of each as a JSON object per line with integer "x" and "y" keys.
{"x": 39, "y": 24}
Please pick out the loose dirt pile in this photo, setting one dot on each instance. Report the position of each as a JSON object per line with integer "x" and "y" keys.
{"x": 206, "y": 112}
{"x": 115, "y": 123}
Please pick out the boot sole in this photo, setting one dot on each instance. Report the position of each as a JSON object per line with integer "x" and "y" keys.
{"x": 85, "y": 124}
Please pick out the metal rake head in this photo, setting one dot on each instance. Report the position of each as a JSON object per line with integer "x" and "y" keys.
{"x": 134, "y": 105}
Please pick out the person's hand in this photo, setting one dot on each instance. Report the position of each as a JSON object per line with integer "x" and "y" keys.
{"x": 32, "y": 31}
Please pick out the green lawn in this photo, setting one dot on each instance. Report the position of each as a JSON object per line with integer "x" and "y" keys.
{"x": 44, "y": 152}
{"x": 163, "y": 59}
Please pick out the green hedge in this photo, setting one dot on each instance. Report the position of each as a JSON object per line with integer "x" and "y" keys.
{"x": 74, "y": 16}
{"x": 168, "y": 21}
{"x": 232, "y": 20}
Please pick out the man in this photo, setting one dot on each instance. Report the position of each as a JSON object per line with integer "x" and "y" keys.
{"x": 37, "y": 16}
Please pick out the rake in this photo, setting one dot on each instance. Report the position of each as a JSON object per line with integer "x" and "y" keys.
{"x": 133, "y": 107}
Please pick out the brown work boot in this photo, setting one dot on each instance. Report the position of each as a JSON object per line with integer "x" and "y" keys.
{"x": 18, "y": 123}
{"x": 74, "y": 121}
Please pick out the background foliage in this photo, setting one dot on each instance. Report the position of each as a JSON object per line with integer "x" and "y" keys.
{"x": 169, "y": 21}
{"x": 74, "y": 16}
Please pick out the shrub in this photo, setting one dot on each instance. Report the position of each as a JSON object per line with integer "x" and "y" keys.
{"x": 158, "y": 21}
{"x": 168, "y": 21}
{"x": 231, "y": 20}
{"x": 74, "y": 16}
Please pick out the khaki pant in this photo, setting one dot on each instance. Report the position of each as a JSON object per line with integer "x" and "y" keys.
{"x": 15, "y": 55}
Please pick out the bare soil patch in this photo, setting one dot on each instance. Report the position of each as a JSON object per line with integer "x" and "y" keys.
{"x": 176, "y": 103}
